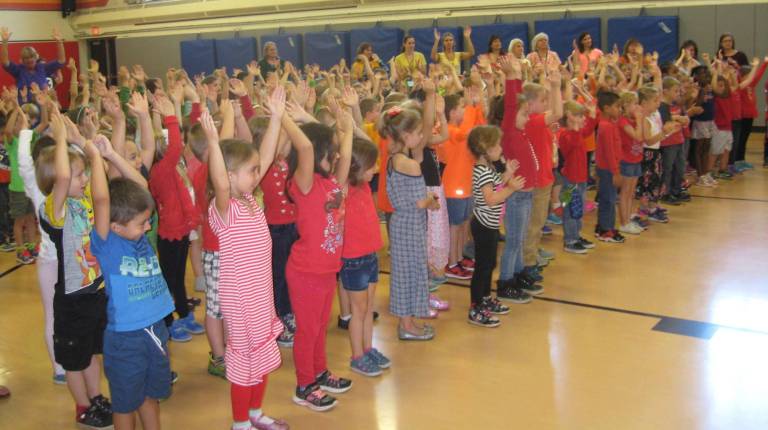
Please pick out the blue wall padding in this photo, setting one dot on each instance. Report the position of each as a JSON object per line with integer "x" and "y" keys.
{"x": 562, "y": 33}
{"x": 289, "y": 47}
{"x": 481, "y": 34}
{"x": 326, "y": 48}
{"x": 656, "y": 33}
{"x": 386, "y": 41}
{"x": 198, "y": 56}
{"x": 235, "y": 53}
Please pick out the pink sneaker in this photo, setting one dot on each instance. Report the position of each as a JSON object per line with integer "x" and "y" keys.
{"x": 266, "y": 423}
{"x": 589, "y": 206}
{"x": 432, "y": 314}
{"x": 437, "y": 304}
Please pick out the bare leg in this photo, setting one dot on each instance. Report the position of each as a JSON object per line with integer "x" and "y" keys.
{"x": 368, "y": 322}
{"x": 30, "y": 227}
{"x": 92, "y": 375}
{"x": 214, "y": 331}
{"x": 456, "y": 245}
{"x": 149, "y": 413}
{"x": 76, "y": 386}
{"x": 344, "y": 307}
{"x": 124, "y": 421}
{"x": 359, "y": 302}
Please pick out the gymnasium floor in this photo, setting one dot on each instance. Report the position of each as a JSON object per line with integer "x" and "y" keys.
{"x": 667, "y": 331}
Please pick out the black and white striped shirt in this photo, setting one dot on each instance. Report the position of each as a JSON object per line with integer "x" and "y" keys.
{"x": 487, "y": 215}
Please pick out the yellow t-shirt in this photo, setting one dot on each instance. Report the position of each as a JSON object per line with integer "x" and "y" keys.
{"x": 455, "y": 62}
{"x": 358, "y": 68}
{"x": 406, "y": 66}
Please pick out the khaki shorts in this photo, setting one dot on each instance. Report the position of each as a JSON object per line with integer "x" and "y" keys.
{"x": 19, "y": 205}
{"x": 722, "y": 140}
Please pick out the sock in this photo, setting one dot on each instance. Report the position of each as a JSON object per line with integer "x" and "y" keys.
{"x": 79, "y": 410}
{"x": 258, "y": 415}
{"x": 346, "y": 317}
{"x": 241, "y": 425}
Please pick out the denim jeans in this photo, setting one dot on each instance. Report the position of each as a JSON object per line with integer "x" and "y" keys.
{"x": 672, "y": 168}
{"x": 517, "y": 214}
{"x": 572, "y": 226}
{"x": 606, "y": 208}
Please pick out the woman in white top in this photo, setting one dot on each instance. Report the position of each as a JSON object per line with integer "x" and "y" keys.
{"x": 449, "y": 56}
{"x": 542, "y": 59}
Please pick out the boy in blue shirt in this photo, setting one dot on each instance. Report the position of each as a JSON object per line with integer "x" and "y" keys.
{"x": 135, "y": 340}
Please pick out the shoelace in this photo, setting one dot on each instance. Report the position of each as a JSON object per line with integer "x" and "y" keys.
{"x": 317, "y": 394}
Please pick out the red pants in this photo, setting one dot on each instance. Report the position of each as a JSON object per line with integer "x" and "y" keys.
{"x": 311, "y": 299}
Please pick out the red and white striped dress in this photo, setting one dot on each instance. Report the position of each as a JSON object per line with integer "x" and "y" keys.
{"x": 245, "y": 292}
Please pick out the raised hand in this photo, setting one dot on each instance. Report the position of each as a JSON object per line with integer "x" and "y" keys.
{"x": 57, "y": 34}
{"x": 468, "y": 31}
{"x": 104, "y": 146}
{"x": 72, "y": 65}
{"x": 349, "y": 97}
{"x": 437, "y": 34}
{"x": 93, "y": 66}
{"x": 226, "y": 108}
{"x": 237, "y": 87}
{"x": 73, "y": 133}
{"x": 439, "y": 104}
{"x": 5, "y": 34}
{"x": 344, "y": 121}
{"x": 428, "y": 86}
{"x": 138, "y": 73}
{"x": 138, "y": 105}
{"x": 297, "y": 113}
{"x": 276, "y": 102}
{"x": 112, "y": 107}
{"x": 209, "y": 127}
{"x": 58, "y": 126}
{"x": 164, "y": 106}
{"x": 253, "y": 68}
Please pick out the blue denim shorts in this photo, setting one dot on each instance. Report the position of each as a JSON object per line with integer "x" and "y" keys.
{"x": 136, "y": 365}
{"x": 630, "y": 170}
{"x": 357, "y": 273}
{"x": 459, "y": 210}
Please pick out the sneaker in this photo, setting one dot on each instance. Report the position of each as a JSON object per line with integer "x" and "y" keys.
{"x": 505, "y": 291}
{"x": 457, "y": 272}
{"x": 333, "y": 383}
{"x": 285, "y": 339}
{"x": 494, "y": 306}
{"x": 532, "y": 273}
{"x": 575, "y": 248}
{"x": 541, "y": 261}
{"x": 547, "y": 255}
{"x": 34, "y": 248}
{"x": 467, "y": 264}
{"x": 631, "y": 228}
{"x": 618, "y": 236}
{"x": 23, "y": 256}
{"x": 365, "y": 366}
{"x": 94, "y": 418}
{"x": 437, "y": 304}
{"x": 683, "y": 197}
{"x": 735, "y": 170}
{"x": 657, "y": 216}
{"x": 589, "y": 206}
{"x": 607, "y": 236}
{"x": 554, "y": 219}
{"x": 189, "y": 324}
{"x": 586, "y": 244}
{"x": 379, "y": 358}
{"x": 704, "y": 182}
{"x": 343, "y": 323}
{"x": 314, "y": 398}
{"x": 745, "y": 165}
{"x": 671, "y": 200}
{"x": 427, "y": 333}
{"x": 178, "y": 333}
{"x": 640, "y": 222}
{"x": 546, "y": 230}
{"x": 60, "y": 378}
{"x": 724, "y": 175}
{"x": 481, "y": 317}
{"x": 528, "y": 284}
{"x": 7, "y": 247}
{"x": 264, "y": 422}
{"x": 216, "y": 366}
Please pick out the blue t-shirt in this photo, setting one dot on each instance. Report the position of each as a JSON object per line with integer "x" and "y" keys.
{"x": 136, "y": 290}
{"x": 25, "y": 77}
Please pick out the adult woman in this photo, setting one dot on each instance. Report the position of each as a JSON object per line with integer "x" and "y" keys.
{"x": 271, "y": 62}
{"x": 517, "y": 49}
{"x": 409, "y": 61}
{"x": 688, "y": 57}
{"x": 365, "y": 63}
{"x": 585, "y": 53}
{"x": 32, "y": 69}
{"x": 494, "y": 54}
{"x": 542, "y": 59}
{"x": 449, "y": 56}
{"x": 726, "y": 48}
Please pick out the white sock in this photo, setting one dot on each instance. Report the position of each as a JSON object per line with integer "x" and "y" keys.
{"x": 241, "y": 425}
{"x": 257, "y": 415}
{"x": 346, "y": 317}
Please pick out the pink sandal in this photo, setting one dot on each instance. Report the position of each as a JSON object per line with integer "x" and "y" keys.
{"x": 437, "y": 304}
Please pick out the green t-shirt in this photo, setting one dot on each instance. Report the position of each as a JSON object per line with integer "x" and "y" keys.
{"x": 12, "y": 147}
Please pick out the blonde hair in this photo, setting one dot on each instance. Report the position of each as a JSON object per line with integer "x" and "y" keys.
{"x": 532, "y": 91}
{"x": 482, "y": 138}
{"x": 45, "y": 166}
{"x": 626, "y": 98}
{"x": 646, "y": 93}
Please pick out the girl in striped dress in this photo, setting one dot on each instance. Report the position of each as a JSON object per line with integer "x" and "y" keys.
{"x": 245, "y": 264}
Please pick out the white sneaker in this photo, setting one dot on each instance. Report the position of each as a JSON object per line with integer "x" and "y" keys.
{"x": 703, "y": 182}
{"x": 631, "y": 228}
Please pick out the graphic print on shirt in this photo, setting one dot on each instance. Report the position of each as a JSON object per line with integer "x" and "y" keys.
{"x": 333, "y": 232}
{"x": 137, "y": 270}
{"x": 81, "y": 214}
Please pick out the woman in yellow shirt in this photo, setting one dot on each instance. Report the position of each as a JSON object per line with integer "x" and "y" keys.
{"x": 449, "y": 56}
{"x": 365, "y": 63}
{"x": 410, "y": 61}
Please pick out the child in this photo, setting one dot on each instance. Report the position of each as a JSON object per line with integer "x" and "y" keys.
{"x": 572, "y": 146}
{"x": 703, "y": 125}
{"x": 607, "y": 158}
{"x": 360, "y": 264}
{"x": 409, "y": 295}
{"x": 79, "y": 303}
{"x": 490, "y": 190}
{"x": 135, "y": 340}
{"x": 673, "y": 163}
{"x": 648, "y": 189}
{"x": 177, "y": 218}
{"x": 317, "y": 176}
{"x": 751, "y": 77}
{"x": 245, "y": 276}
{"x": 631, "y": 128}
{"x": 457, "y": 180}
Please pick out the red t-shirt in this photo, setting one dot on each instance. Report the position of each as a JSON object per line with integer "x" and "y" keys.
{"x": 677, "y": 137}
{"x": 631, "y": 149}
{"x": 541, "y": 139}
{"x": 200, "y": 185}
{"x": 724, "y": 112}
{"x": 608, "y": 151}
{"x": 515, "y": 142}
{"x": 748, "y": 101}
{"x": 574, "y": 150}
{"x": 320, "y": 224}
{"x": 278, "y": 208}
{"x": 362, "y": 235}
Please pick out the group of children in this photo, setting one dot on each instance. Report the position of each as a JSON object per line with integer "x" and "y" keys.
{"x": 251, "y": 176}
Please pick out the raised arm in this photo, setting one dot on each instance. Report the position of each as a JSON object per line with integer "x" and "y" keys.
{"x": 345, "y": 128}
{"x": 139, "y": 107}
{"x": 470, "y": 48}
{"x": 63, "y": 175}
{"x": 112, "y": 108}
{"x": 217, "y": 170}
{"x": 428, "y": 117}
{"x": 268, "y": 145}
{"x": 5, "y": 34}
{"x": 556, "y": 100}
{"x": 304, "y": 175}
{"x": 227, "y": 119}
{"x": 117, "y": 161}
{"x": 755, "y": 72}
{"x": 61, "y": 55}
{"x": 433, "y": 53}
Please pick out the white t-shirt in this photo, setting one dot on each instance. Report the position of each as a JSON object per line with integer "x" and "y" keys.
{"x": 655, "y": 120}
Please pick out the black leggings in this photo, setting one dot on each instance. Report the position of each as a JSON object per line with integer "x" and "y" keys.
{"x": 283, "y": 237}
{"x": 486, "y": 248}
{"x": 746, "y": 130}
{"x": 173, "y": 262}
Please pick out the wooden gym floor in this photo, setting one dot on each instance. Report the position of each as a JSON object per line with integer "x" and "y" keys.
{"x": 667, "y": 331}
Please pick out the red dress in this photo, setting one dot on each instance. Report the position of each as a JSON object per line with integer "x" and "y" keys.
{"x": 245, "y": 292}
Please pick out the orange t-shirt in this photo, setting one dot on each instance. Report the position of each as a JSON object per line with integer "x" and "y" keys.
{"x": 457, "y": 176}
{"x": 373, "y": 134}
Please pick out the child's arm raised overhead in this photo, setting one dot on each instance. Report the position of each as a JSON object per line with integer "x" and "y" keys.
{"x": 99, "y": 188}
{"x": 61, "y": 164}
{"x": 346, "y": 128}
{"x": 555, "y": 98}
{"x": 117, "y": 161}
{"x": 5, "y": 60}
{"x": 165, "y": 110}
{"x": 304, "y": 175}
{"x": 755, "y": 71}
{"x": 428, "y": 117}
{"x": 350, "y": 98}
{"x": 139, "y": 107}
{"x": 216, "y": 167}
{"x": 227, "y": 119}
{"x": 112, "y": 108}
{"x": 440, "y": 111}
{"x": 272, "y": 135}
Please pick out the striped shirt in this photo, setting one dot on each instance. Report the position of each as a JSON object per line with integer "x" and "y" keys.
{"x": 487, "y": 215}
